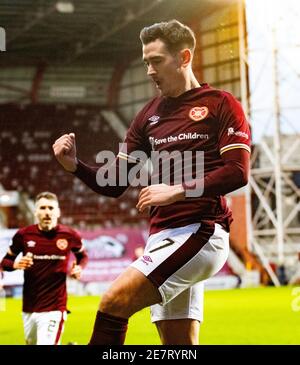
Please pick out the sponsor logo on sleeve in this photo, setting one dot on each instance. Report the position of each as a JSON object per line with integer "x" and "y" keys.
{"x": 232, "y": 132}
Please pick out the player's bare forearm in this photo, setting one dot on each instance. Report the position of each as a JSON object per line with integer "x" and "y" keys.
{"x": 159, "y": 195}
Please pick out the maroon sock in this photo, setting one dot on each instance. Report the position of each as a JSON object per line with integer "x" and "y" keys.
{"x": 109, "y": 330}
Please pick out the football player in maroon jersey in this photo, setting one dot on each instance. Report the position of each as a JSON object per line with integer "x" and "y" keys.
{"x": 189, "y": 218}
{"x": 46, "y": 248}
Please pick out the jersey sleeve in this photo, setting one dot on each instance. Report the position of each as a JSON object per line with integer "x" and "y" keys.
{"x": 77, "y": 244}
{"x": 113, "y": 178}
{"x": 17, "y": 244}
{"x": 136, "y": 146}
{"x": 234, "y": 131}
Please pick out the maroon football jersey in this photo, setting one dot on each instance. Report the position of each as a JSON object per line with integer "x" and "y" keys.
{"x": 201, "y": 119}
{"x": 45, "y": 281}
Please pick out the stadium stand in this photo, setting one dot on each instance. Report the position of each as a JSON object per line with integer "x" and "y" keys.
{"x": 29, "y": 167}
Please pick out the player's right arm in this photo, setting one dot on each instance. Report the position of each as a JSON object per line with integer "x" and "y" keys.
{"x": 117, "y": 170}
{"x": 9, "y": 262}
{"x": 65, "y": 151}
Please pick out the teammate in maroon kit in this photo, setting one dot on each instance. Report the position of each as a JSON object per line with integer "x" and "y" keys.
{"x": 189, "y": 221}
{"x": 46, "y": 248}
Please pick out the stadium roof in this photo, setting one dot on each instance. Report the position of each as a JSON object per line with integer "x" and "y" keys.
{"x": 85, "y": 32}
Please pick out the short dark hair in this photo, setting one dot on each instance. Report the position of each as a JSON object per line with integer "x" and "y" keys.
{"x": 47, "y": 195}
{"x": 174, "y": 34}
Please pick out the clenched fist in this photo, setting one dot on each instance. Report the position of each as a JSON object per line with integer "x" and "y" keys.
{"x": 65, "y": 151}
{"x": 76, "y": 271}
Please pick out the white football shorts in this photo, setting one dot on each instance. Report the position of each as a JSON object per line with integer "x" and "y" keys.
{"x": 177, "y": 260}
{"x": 44, "y": 328}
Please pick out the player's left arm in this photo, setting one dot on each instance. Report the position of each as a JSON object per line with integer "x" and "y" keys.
{"x": 81, "y": 256}
{"x": 233, "y": 175}
{"x": 79, "y": 263}
{"x": 159, "y": 195}
{"x": 234, "y": 144}
{"x": 229, "y": 177}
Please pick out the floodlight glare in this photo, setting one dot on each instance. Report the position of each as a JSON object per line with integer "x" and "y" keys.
{"x": 65, "y": 7}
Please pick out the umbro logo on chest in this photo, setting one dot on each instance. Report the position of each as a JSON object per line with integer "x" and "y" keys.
{"x": 154, "y": 119}
{"x": 31, "y": 243}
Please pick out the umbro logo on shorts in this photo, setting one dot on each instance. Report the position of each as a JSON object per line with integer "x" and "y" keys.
{"x": 146, "y": 259}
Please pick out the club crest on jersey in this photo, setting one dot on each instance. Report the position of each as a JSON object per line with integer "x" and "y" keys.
{"x": 31, "y": 243}
{"x": 62, "y": 243}
{"x": 198, "y": 113}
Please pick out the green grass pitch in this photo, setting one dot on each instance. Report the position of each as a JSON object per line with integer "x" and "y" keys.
{"x": 239, "y": 316}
